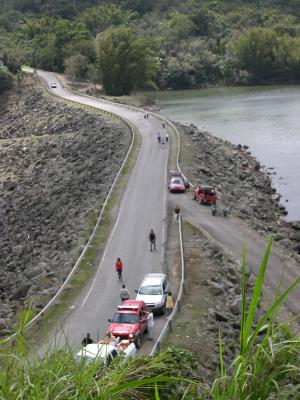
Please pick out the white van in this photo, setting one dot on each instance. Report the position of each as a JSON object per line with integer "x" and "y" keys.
{"x": 153, "y": 291}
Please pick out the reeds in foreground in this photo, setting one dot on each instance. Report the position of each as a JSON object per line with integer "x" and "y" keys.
{"x": 267, "y": 367}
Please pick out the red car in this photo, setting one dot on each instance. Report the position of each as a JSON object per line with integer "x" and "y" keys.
{"x": 130, "y": 319}
{"x": 174, "y": 174}
{"x": 176, "y": 185}
{"x": 205, "y": 194}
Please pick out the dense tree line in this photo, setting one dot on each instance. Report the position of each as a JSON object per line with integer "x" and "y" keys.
{"x": 129, "y": 44}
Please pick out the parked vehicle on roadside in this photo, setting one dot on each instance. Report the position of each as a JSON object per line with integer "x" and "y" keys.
{"x": 176, "y": 185}
{"x": 106, "y": 352}
{"x": 205, "y": 194}
{"x": 153, "y": 291}
{"x": 130, "y": 320}
{"x": 173, "y": 174}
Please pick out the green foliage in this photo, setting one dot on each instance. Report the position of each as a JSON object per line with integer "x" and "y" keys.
{"x": 52, "y": 40}
{"x": 194, "y": 64}
{"x": 269, "y": 56}
{"x": 265, "y": 367}
{"x": 255, "y": 51}
{"x": 76, "y": 66}
{"x": 99, "y": 18}
{"x": 237, "y": 41}
{"x": 6, "y": 78}
{"x": 124, "y": 60}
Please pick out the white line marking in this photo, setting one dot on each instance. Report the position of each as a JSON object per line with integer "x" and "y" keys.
{"x": 108, "y": 243}
{"x": 104, "y": 253}
{"x": 164, "y": 212}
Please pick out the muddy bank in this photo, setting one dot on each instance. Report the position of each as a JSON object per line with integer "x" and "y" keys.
{"x": 241, "y": 184}
{"x": 56, "y": 164}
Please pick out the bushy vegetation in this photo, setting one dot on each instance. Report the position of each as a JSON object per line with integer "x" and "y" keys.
{"x": 186, "y": 43}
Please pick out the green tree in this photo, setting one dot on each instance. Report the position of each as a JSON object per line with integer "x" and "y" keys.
{"x": 287, "y": 55}
{"x": 124, "y": 61}
{"x": 97, "y": 19}
{"x": 256, "y": 52}
{"x": 6, "y": 78}
{"x": 76, "y": 66}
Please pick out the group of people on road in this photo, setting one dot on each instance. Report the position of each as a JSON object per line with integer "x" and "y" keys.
{"x": 162, "y": 139}
{"x": 108, "y": 339}
{"x": 124, "y": 295}
{"x": 119, "y": 263}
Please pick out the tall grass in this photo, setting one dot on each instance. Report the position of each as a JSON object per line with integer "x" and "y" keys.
{"x": 266, "y": 368}
{"x": 24, "y": 376}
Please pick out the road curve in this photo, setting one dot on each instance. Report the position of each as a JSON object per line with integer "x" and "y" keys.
{"x": 141, "y": 208}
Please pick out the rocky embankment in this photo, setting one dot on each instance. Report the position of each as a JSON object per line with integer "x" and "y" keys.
{"x": 56, "y": 164}
{"x": 241, "y": 184}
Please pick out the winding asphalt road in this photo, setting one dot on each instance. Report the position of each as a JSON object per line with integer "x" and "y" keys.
{"x": 142, "y": 207}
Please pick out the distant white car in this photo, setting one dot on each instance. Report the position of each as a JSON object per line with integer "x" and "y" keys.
{"x": 53, "y": 85}
{"x": 106, "y": 352}
{"x": 153, "y": 291}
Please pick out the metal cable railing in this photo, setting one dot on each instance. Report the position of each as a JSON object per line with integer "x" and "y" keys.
{"x": 168, "y": 325}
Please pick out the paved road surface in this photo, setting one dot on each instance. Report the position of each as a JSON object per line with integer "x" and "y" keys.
{"x": 232, "y": 234}
{"x": 141, "y": 208}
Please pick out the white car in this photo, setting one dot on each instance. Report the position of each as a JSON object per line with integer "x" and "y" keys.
{"x": 53, "y": 85}
{"x": 153, "y": 291}
{"x": 106, "y": 352}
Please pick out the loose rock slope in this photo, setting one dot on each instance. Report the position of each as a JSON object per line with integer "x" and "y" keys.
{"x": 56, "y": 163}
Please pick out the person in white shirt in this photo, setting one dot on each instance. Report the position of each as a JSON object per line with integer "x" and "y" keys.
{"x": 124, "y": 293}
{"x": 150, "y": 325}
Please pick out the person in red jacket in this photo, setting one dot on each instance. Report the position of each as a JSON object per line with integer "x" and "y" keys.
{"x": 119, "y": 268}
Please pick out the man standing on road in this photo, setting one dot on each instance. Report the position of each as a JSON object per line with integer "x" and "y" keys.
{"x": 167, "y": 137}
{"x": 150, "y": 325}
{"x": 152, "y": 239}
{"x": 124, "y": 293}
{"x": 169, "y": 303}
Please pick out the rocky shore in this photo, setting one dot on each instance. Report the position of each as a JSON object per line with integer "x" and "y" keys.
{"x": 56, "y": 164}
{"x": 242, "y": 185}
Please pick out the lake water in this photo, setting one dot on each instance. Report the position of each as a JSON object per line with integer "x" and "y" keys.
{"x": 265, "y": 119}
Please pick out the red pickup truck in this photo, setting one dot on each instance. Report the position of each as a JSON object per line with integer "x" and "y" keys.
{"x": 130, "y": 318}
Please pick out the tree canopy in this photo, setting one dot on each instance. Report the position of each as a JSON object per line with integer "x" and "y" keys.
{"x": 187, "y": 43}
{"x": 125, "y": 62}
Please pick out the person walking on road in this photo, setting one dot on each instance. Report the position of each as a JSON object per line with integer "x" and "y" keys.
{"x": 150, "y": 325}
{"x": 124, "y": 293}
{"x": 169, "y": 303}
{"x": 158, "y": 137}
{"x": 119, "y": 268}
{"x": 152, "y": 239}
{"x": 177, "y": 212}
{"x": 167, "y": 137}
{"x": 87, "y": 340}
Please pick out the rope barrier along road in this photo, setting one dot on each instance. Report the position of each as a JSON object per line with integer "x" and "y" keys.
{"x": 157, "y": 344}
{"x": 34, "y": 319}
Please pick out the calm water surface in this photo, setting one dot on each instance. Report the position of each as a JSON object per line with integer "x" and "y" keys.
{"x": 266, "y": 119}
